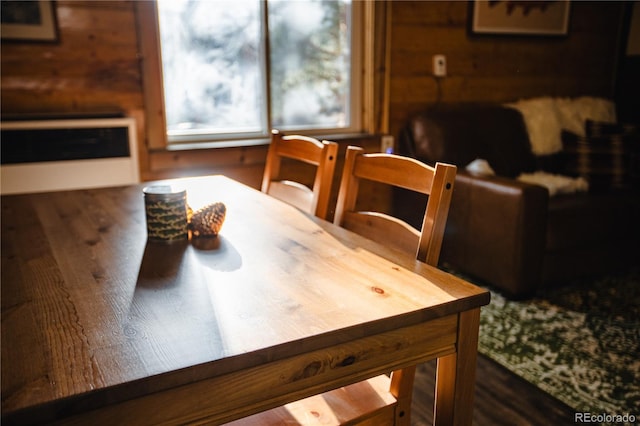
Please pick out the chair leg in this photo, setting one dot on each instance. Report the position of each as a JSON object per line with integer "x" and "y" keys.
{"x": 402, "y": 388}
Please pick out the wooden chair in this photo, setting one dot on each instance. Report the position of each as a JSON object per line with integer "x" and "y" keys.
{"x": 403, "y": 172}
{"x": 308, "y": 150}
{"x": 382, "y": 400}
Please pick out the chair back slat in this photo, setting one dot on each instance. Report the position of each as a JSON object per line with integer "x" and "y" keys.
{"x": 295, "y": 148}
{"x": 394, "y": 170}
{"x": 378, "y": 226}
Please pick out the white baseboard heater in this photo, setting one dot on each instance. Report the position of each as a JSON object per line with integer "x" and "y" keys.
{"x": 52, "y": 155}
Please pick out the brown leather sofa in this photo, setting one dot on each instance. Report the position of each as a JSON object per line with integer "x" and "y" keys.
{"x": 507, "y": 233}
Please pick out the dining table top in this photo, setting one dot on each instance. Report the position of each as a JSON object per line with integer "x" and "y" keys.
{"x": 93, "y": 312}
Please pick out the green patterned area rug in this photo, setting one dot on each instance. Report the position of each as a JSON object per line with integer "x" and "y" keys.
{"x": 580, "y": 343}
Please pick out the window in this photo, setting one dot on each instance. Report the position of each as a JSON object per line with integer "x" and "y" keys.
{"x": 235, "y": 69}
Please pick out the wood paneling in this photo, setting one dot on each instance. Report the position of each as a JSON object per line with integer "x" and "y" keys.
{"x": 95, "y": 66}
{"x": 497, "y": 68}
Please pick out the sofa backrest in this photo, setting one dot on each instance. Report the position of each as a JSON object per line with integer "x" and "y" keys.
{"x": 460, "y": 133}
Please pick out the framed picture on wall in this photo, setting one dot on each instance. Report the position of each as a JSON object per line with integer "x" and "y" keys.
{"x": 549, "y": 18}
{"x": 28, "y": 20}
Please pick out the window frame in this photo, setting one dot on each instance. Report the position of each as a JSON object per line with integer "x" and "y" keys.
{"x": 153, "y": 90}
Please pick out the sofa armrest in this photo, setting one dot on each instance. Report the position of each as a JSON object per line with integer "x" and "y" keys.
{"x": 496, "y": 231}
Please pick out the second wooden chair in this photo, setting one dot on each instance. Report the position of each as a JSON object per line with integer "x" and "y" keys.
{"x": 322, "y": 154}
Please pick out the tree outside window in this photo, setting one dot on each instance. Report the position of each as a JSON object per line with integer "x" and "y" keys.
{"x": 215, "y": 66}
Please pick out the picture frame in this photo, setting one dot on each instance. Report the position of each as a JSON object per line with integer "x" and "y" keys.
{"x": 512, "y": 17}
{"x": 28, "y": 20}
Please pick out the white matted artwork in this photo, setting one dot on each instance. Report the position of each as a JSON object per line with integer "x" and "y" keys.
{"x": 550, "y": 18}
{"x": 28, "y": 20}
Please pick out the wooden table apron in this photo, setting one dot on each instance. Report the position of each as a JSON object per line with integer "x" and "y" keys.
{"x": 99, "y": 325}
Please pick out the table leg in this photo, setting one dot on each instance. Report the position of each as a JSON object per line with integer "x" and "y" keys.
{"x": 455, "y": 375}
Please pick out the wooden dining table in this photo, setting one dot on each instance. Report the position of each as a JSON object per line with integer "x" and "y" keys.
{"x": 102, "y": 326}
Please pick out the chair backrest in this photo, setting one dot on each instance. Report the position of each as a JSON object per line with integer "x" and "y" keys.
{"x": 403, "y": 172}
{"x": 321, "y": 154}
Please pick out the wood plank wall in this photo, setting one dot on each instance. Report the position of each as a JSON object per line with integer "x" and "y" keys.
{"x": 497, "y": 68}
{"x": 95, "y": 67}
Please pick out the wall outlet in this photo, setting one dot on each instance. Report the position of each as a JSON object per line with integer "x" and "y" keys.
{"x": 386, "y": 144}
{"x": 439, "y": 65}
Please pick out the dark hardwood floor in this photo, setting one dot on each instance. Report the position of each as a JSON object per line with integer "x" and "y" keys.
{"x": 501, "y": 398}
